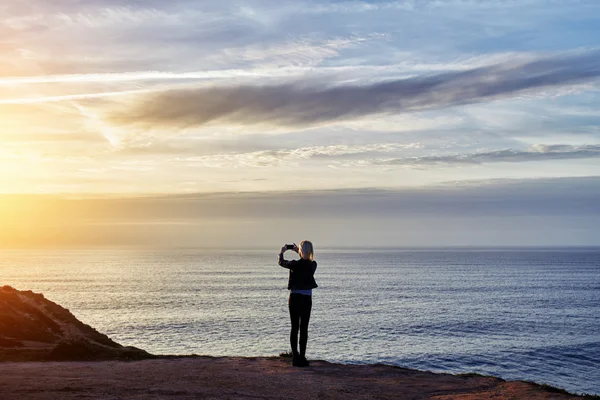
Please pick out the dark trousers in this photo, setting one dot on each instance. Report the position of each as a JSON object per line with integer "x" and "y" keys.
{"x": 300, "y": 306}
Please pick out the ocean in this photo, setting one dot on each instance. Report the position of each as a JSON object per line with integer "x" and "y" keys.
{"x": 531, "y": 314}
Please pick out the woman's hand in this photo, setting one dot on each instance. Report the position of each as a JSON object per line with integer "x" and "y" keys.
{"x": 284, "y": 248}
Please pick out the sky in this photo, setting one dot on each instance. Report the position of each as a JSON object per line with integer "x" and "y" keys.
{"x": 256, "y": 103}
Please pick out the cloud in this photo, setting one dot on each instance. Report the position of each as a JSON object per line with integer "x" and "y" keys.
{"x": 364, "y": 6}
{"x": 536, "y": 153}
{"x": 148, "y": 35}
{"x": 38, "y": 138}
{"x": 310, "y": 52}
{"x": 275, "y": 157}
{"x": 126, "y": 77}
{"x": 522, "y": 212}
{"x": 558, "y": 196}
{"x": 304, "y": 104}
{"x": 70, "y": 97}
{"x": 297, "y": 53}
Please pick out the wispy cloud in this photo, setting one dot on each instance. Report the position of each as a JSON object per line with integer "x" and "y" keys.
{"x": 296, "y": 104}
{"x": 275, "y": 157}
{"x": 70, "y": 97}
{"x": 411, "y": 66}
{"x": 127, "y": 77}
{"x": 536, "y": 153}
{"x": 298, "y": 53}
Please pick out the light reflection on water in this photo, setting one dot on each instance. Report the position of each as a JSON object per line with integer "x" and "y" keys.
{"x": 531, "y": 314}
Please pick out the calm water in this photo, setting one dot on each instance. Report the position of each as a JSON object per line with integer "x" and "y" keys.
{"x": 518, "y": 314}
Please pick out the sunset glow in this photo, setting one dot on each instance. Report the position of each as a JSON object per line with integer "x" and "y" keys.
{"x": 122, "y": 98}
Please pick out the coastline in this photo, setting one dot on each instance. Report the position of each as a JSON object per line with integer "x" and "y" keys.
{"x": 190, "y": 377}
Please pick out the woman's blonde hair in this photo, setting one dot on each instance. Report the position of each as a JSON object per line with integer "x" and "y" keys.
{"x": 306, "y": 250}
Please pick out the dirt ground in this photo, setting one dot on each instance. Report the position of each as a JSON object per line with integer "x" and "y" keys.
{"x": 246, "y": 378}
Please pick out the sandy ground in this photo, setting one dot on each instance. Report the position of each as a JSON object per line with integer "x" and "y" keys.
{"x": 245, "y": 378}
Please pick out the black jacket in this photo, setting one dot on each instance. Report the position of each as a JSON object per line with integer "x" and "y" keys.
{"x": 301, "y": 273}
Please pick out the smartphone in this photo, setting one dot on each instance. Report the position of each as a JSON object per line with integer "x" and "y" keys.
{"x": 289, "y": 246}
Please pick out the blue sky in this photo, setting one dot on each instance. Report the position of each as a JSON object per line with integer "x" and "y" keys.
{"x": 155, "y": 97}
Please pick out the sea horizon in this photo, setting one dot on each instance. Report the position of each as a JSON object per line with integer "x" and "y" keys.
{"x": 277, "y": 248}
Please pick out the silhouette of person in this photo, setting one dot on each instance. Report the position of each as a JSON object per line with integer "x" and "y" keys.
{"x": 301, "y": 283}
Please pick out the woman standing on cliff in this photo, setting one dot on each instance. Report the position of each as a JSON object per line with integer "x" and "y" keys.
{"x": 301, "y": 283}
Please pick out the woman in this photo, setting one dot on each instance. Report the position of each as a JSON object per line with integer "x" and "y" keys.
{"x": 301, "y": 283}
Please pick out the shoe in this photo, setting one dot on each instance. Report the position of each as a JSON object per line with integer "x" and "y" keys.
{"x": 304, "y": 361}
{"x": 297, "y": 361}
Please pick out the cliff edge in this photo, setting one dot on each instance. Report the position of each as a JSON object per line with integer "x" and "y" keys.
{"x": 33, "y": 328}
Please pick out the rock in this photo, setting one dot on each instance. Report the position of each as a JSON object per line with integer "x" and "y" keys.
{"x": 35, "y": 328}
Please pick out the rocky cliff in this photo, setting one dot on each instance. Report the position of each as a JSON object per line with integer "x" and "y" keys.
{"x": 35, "y": 328}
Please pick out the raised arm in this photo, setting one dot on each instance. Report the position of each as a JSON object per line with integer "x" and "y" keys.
{"x": 289, "y": 264}
{"x": 285, "y": 263}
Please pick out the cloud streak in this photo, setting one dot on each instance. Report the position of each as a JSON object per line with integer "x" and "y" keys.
{"x": 71, "y": 97}
{"x": 127, "y": 77}
{"x": 312, "y": 103}
{"x": 537, "y": 153}
{"x": 267, "y": 158}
